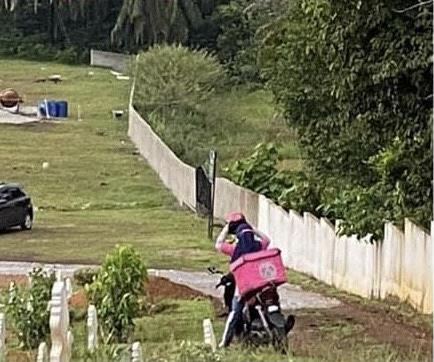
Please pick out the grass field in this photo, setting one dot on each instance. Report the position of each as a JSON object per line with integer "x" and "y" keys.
{"x": 258, "y": 122}
{"x": 232, "y": 122}
{"x": 97, "y": 191}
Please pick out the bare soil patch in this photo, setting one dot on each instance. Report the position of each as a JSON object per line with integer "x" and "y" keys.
{"x": 316, "y": 332}
{"x": 6, "y": 279}
{"x": 161, "y": 288}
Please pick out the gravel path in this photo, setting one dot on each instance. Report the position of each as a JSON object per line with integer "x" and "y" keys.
{"x": 291, "y": 296}
{"x": 23, "y": 267}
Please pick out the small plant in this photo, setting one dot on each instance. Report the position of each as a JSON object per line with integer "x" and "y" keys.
{"x": 257, "y": 171}
{"x": 116, "y": 292}
{"x": 185, "y": 351}
{"x": 103, "y": 353}
{"x": 85, "y": 276}
{"x": 28, "y": 308}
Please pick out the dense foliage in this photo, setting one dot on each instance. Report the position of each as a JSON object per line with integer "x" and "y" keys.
{"x": 43, "y": 29}
{"x": 172, "y": 85}
{"x": 360, "y": 211}
{"x": 116, "y": 292}
{"x": 241, "y": 24}
{"x": 28, "y": 308}
{"x": 85, "y": 276}
{"x": 353, "y": 79}
{"x": 145, "y": 23}
{"x": 56, "y": 30}
{"x": 172, "y": 77}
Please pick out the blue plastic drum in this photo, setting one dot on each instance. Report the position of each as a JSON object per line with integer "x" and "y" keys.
{"x": 62, "y": 109}
{"x": 47, "y": 108}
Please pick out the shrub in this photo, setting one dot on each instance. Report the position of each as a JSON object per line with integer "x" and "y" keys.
{"x": 350, "y": 110}
{"x": 172, "y": 86}
{"x": 258, "y": 171}
{"x": 174, "y": 77}
{"x": 85, "y": 276}
{"x": 28, "y": 308}
{"x": 116, "y": 292}
{"x": 362, "y": 210}
{"x": 238, "y": 43}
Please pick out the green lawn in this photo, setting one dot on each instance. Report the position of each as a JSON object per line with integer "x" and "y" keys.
{"x": 97, "y": 191}
{"x": 232, "y": 121}
{"x": 257, "y": 121}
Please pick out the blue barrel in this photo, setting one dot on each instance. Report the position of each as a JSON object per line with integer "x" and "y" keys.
{"x": 47, "y": 104}
{"x": 62, "y": 109}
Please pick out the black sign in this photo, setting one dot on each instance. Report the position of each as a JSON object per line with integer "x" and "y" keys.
{"x": 205, "y": 188}
{"x": 203, "y": 192}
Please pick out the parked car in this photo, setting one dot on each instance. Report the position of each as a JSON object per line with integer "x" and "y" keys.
{"x": 15, "y": 207}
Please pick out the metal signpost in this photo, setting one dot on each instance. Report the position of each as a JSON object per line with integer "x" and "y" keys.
{"x": 205, "y": 189}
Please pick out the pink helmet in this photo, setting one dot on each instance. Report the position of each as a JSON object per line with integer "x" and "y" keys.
{"x": 234, "y": 216}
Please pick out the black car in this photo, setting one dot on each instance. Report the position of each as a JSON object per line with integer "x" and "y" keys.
{"x": 15, "y": 207}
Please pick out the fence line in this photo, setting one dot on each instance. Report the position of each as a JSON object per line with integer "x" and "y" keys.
{"x": 117, "y": 61}
{"x": 400, "y": 265}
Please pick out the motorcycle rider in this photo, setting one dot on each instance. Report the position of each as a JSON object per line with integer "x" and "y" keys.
{"x": 249, "y": 240}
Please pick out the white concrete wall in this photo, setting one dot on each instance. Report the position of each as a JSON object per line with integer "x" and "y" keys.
{"x": 177, "y": 176}
{"x": 401, "y": 265}
{"x": 116, "y": 61}
{"x": 229, "y": 197}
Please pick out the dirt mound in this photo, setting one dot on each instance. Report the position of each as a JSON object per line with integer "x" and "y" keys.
{"x": 162, "y": 288}
{"x": 78, "y": 299}
{"x": 6, "y": 279}
{"x": 157, "y": 289}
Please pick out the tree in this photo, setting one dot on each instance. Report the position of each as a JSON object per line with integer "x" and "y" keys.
{"x": 147, "y": 22}
{"x": 352, "y": 77}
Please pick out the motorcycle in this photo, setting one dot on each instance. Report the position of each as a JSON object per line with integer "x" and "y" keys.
{"x": 263, "y": 321}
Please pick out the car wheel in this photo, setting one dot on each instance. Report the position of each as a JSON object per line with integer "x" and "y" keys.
{"x": 28, "y": 222}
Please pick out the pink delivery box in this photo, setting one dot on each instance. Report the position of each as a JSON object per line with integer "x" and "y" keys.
{"x": 256, "y": 270}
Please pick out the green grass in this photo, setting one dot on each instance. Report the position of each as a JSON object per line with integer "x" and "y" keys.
{"x": 394, "y": 307}
{"x": 232, "y": 121}
{"x": 162, "y": 334}
{"x": 97, "y": 191}
{"x": 258, "y": 122}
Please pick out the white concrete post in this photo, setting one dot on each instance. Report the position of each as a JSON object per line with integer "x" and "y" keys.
{"x": 208, "y": 334}
{"x": 68, "y": 286}
{"x": 92, "y": 328}
{"x": 61, "y": 340}
{"x": 42, "y": 353}
{"x": 2, "y": 336}
{"x": 136, "y": 352}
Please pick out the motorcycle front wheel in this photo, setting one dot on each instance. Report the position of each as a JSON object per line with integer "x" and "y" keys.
{"x": 280, "y": 340}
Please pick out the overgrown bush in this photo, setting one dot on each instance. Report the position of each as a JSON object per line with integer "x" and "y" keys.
{"x": 258, "y": 172}
{"x": 351, "y": 78}
{"x": 241, "y": 23}
{"x": 172, "y": 86}
{"x": 361, "y": 210}
{"x": 116, "y": 291}
{"x": 171, "y": 78}
{"x": 85, "y": 276}
{"x": 28, "y": 308}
